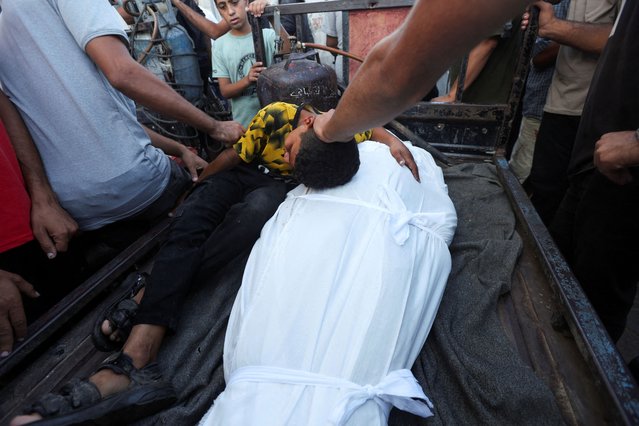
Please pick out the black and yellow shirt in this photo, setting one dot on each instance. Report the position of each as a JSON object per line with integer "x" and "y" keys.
{"x": 263, "y": 142}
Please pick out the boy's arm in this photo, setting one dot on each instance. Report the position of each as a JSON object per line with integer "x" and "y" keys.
{"x": 398, "y": 150}
{"x": 225, "y": 161}
{"x": 211, "y": 29}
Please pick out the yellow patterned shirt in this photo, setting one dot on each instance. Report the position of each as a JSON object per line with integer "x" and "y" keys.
{"x": 263, "y": 142}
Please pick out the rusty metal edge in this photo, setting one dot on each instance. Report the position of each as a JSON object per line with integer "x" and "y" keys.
{"x": 74, "y": 302}
{"x": 593, "y": 341}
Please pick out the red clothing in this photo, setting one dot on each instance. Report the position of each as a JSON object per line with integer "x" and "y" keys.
{"x": 15, "y": 205}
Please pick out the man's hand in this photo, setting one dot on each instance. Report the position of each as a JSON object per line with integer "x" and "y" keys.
{"x": 192, "y": 162}
{"x": 320, "y": 126}
{"x": 52, "y": 226}
{"x": 614, "y": 153}
{"x": 546, "y": 17}
{"x": 13, "y": 322}
{"x": 227, "y": 132}
{"x": 257, "y": 7}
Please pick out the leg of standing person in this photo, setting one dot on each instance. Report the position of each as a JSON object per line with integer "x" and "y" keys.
{"x": 597, "y": 230}
{"x": 548, "y": 179}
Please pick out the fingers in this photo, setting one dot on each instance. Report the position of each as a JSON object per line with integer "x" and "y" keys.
{"x": 46, "y": 242}
{"x": 6, "y": 335}
{"x": 13, "y": 322}
{"x": 18, "y": 321}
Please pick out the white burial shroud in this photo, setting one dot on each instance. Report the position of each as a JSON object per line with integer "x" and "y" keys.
{"x": 337, "y": 300}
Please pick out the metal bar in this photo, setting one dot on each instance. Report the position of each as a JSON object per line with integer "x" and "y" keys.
{"x": 43, "y": 328}
{"x": 336, "y": 5}
{"x": 461, "y": 79}
{"x": 258, "y": 39}
{"x": 589, "y": 333}
{"x": 519, "y": 80}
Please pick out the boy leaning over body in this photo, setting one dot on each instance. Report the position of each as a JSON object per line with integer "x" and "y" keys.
{"x": 221, "y": 219}
{"x": 234, "y": 59}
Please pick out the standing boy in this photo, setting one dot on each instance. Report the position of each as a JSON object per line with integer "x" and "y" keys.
{"x": 234, "y": 59}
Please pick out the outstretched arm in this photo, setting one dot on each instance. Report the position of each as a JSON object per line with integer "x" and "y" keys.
{"x": 211, "y": 29}
{"x": 404, "y": 66}
{"x": 226, "y": 160}
{"x": 110, "y": 55}
{"x": 398, "y": 150}
{"x": 51, "y": 224}
{"x": 585, "y": 36}
{"x": 477, "y": 59}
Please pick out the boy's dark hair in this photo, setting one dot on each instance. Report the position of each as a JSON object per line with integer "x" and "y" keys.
{"x": 323, "y": 165}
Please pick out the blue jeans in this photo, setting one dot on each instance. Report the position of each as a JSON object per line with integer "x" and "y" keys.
{"x": 221, "y": 219}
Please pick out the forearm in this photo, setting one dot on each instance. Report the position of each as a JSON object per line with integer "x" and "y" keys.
{"x": 139, "y": 84}
{"x": 383, "y": 136}
{"x": 233, "y": 90}
{"x": 226, "y": 160}
{"x": 587, "y": 37}
{"x": 211, "y": 29}
{"x": 403, "y": 67}
{"x": 168, "y": 146}
{"x": 477, "y": 59}
{"x": 546, "y": 57}
{"x": 26, "y": 152}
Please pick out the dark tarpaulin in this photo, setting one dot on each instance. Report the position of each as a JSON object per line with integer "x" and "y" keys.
{"x": 467, "y": 367}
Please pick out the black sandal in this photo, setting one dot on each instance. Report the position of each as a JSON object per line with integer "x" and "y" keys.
{"x": 120, "y": 315}
{"x": 79, "y": 402}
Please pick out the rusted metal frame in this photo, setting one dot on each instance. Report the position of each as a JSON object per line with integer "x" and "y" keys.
{"x": 74, "y": 302}
{"x": 335, "y": 5}
{"x": 592, "y": 339}
{"x": 461, "y": 79}
{"x": 426, "y": 111}
{"x": 519, "y": 80}
{"x": 258, "y": 39}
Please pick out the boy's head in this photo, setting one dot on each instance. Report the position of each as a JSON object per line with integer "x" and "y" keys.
{"x": 317, "y": 164}
{"x": 234, "y": 13}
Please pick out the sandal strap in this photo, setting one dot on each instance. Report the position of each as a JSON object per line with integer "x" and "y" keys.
{"x": 75, "y": 394}
{"x": 121, "y": 317}
{"x": 121, "y": 363}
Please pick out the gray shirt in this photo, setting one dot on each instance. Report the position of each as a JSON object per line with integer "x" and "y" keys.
{"x": 98, "y": 159}
{"x": 574, "y": 68}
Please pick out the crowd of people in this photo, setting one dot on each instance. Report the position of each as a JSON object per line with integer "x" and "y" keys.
{"x": 77, "y": 165}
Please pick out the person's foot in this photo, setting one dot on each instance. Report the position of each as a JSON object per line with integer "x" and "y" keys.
{"x": 111, "y": 332}
{"x": 112, "y": 327}
{"x": 142, "y": 347}
{"x": 107, "y": 382}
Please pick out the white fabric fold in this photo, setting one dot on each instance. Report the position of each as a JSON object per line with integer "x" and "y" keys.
{"x": 399, "y": 216}
{"x": 397, "y": 388}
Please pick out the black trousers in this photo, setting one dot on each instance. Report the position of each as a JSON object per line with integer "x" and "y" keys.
{"x": 597, "y": 229}
{"x": 548, "y": 179}
{"x": 221, "y": 219}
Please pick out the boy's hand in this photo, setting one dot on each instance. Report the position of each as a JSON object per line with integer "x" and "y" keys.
{"x": 404, "y": 157}
{"x": 255, "y": 71}
{"x": 257, "y": 7}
